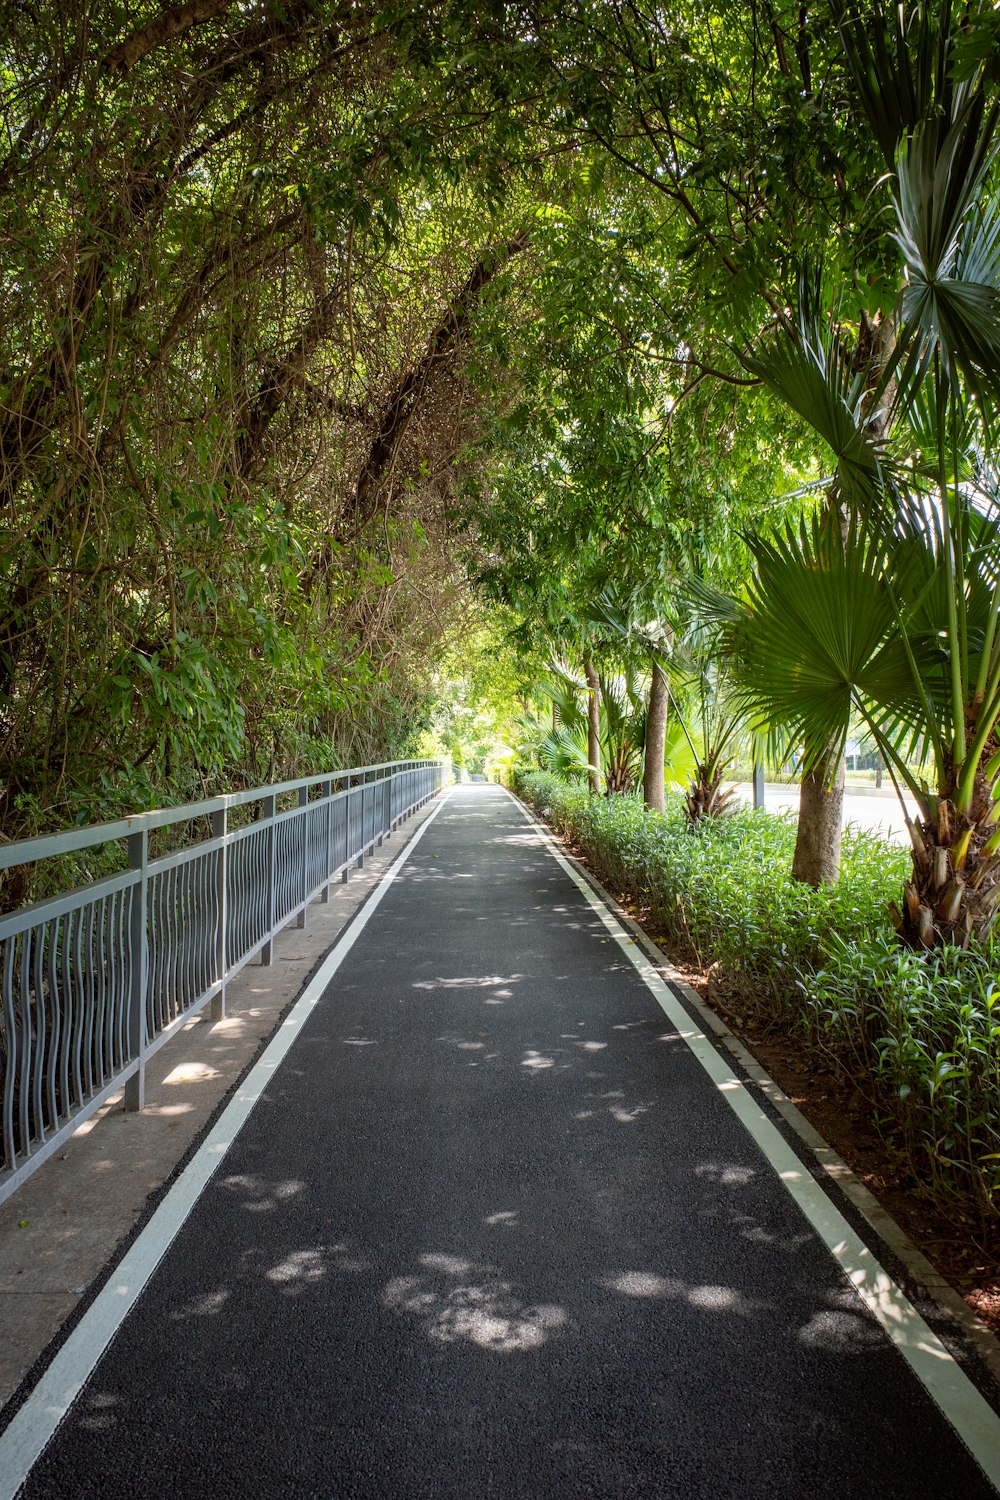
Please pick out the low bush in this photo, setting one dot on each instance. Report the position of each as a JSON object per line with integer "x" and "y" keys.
{"x": 923, "y": 1030}
{"x": 918, "y": 1034}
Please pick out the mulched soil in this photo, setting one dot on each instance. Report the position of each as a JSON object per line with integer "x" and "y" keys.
{"x": 956, "y": 1242}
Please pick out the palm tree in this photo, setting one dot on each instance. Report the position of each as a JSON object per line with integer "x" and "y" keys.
{"x": 710, "y": 716}
{"x": 886, "y": 606}
{"x": 623, "y": 728}
{"x": 558, "y": 744}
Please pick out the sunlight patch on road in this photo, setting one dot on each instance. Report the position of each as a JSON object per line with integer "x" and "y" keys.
{"x": 480, "y": 1308}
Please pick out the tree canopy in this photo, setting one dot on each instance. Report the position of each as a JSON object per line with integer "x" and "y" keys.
{"x": 318, "y": 316}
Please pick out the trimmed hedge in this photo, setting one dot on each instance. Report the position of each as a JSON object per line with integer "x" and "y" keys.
{"x": 918, "y": 1034}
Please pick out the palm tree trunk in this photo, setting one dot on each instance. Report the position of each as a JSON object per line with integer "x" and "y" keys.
{"x": 821, "y": 810}
{"x": 954, "y": 892}
{"x": 593, "y": 725}
{"x": 656, "y": 738}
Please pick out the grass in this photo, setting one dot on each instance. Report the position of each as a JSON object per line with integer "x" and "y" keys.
{"x": 918, "y": 1034}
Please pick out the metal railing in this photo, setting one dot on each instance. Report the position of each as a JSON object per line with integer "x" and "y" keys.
{"x": 95, "y": 979}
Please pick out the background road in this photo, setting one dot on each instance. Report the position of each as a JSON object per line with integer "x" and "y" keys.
{"x": 879, "y": 811}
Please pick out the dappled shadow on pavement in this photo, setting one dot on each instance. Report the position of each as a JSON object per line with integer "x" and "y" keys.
{"x": 493, "y": 1232}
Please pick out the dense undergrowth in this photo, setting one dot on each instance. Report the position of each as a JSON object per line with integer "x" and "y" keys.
{"x": 918, "y": 1035}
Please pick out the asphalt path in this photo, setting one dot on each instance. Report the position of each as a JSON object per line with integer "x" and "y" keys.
{"x": 492, "y": 1231}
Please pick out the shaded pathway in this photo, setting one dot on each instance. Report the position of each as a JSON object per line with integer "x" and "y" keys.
{"x": 492, "y": 1231}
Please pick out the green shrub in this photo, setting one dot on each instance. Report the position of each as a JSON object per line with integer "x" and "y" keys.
{"x": 722, "y": 892}
{"x": 926, "y": 1029}
{"x": 919, "y": 1034}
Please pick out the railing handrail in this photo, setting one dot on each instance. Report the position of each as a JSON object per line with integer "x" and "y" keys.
{"x": 46, "y": 845}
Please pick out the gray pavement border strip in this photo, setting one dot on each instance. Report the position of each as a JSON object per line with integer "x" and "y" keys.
{"x": 36, "y": 1420}
{"x": 967, "y": 1410}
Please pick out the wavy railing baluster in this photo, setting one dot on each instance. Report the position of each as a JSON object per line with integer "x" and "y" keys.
{"x": 27, "y": 1042}
{"x": 10, "y": 1053}
{"x": 235, "y": 906}
{"x": 187, "y": 939}
{"x": 89, "y": 1000}
{"x": 197, "y": 927}
{"x": 154, "y": 977}
{"x": 207, "y": 898}
{"x": 207, "y": 908}
{"x": 108, "y": 970}
{"x": 251, "y": 925}
{"x": 55, "y": 1026}
{"x": 171, "y": 948}
{"x": 168, "y": 938}
{"x": 67, "y": 1010}
{"x": 41, "y": 1031}
{"x": 265, "y": 892}
{"x": 75, "y": 941}
{"x": 211, "y": 921}
{"x": 160, "y": 941}
{"x": 100, "y": 995}
{"x": 123, "y": 907}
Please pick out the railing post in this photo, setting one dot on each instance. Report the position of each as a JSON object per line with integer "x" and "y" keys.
{"x": 361, "y": 820}
{"x": 269, "y": 807}
{"x": 300, "y": 920}
{"x": 758, "y": 784}
{"x": 220, "y": 831}
{"x": 324, "y": 894}
{"x": 138, "y": 859}
{"x": 345, "y": 788}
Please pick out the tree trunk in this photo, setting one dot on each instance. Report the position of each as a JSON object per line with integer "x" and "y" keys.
{"x": 821, "y": 799}
{"x": 593, "y": 726}
{"x": 954, "y": 892}
{"x": 656, "y": 738}
{"x": 821, "y": 811}
{"x": 708, "y": 796}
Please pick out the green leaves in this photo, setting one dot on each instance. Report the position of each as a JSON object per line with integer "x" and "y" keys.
{"x": 812, "y": 374}
{"x": 816, "y": 618}
{"x": 949, "y": 238}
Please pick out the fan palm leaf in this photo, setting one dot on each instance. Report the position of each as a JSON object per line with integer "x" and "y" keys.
{"x": 812, "y": 372}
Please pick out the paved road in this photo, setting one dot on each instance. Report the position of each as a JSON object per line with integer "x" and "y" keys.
{"x": 492, "y": 1231}
{"x": 878, "y": 811}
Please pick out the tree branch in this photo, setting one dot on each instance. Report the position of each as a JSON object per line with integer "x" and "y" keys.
{"x": 403, "y": 402}
{"x": 162, "y": 29}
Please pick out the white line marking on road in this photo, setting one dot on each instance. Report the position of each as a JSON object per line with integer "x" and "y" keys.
{"x": 969, "y": 1413}
{"x": 35, "y": 1422}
